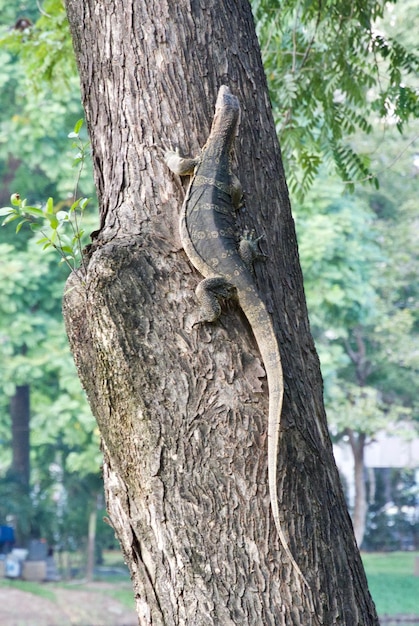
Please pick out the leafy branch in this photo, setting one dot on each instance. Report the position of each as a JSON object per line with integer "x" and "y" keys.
{"x": 59, "y": 228}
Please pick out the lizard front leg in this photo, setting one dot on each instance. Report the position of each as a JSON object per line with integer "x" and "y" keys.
{"x": 249, "y": 249}
{"x": 210, "y": 292}
{"x": 182, "y": 166}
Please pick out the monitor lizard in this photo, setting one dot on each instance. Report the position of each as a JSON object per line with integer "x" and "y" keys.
{"x": 208, "y": 236}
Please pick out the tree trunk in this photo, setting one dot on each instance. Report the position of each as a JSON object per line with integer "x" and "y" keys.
{"x": 91, "y": 540}
{"x": 183, "y": 411}
{"x": 357, "y": 440}
{"x": 20, "y": 416}
{"x": 20, "y": 466}
{"x": 359, "y": 516}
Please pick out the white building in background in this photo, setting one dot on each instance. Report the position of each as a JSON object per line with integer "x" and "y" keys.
{"x": 384, "y": 451}
{"x": 388, "y": 451}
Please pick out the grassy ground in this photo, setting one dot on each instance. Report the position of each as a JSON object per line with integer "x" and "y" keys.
{"x": 38, "y": 589}
{"x": 121, "y": 585}
{"x": 394, "y": 588}
{"x": 122, "y": 592}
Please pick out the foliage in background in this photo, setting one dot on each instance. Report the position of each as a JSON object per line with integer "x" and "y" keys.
{"x": 360, "y": 261}
{"x": 354, "y": 291}
{"x": 359, "y": 252}
{"x": 356, "y": 281}
{"x": 34, "y": 351}
{"x": 44, "y": 46}
{"x": 331, "y": 72}
{"x": 41, "y": 103}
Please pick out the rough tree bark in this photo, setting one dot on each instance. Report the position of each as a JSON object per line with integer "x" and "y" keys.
{"x": 183, "y": 413}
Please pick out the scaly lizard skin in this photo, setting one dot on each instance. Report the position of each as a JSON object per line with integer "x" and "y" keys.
{"x": 207, "y": 230}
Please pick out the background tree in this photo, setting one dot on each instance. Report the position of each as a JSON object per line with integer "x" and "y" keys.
{"x": 183, "y": 430}
{"x": 360, "y": 266}
{"x": 35, "y": 358}
{"x": 36, "y": 485}
{"x": 363, "y": 315}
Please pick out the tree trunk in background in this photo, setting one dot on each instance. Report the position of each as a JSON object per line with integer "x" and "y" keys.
{"x": 359, "y": 516}
{"x": 357, "y": 440}
{"x": 183, "y": 413}
{"x": 20, "y": 467}
{"x": 20, "y": 416}
{"x": 91, "y": 539}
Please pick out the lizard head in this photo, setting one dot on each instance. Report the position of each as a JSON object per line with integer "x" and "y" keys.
{"x": 226, "y": 100}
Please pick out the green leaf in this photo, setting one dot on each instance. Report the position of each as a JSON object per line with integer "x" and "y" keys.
{"x": 6, "y": 210}
{"x": 32, "y": 210}
{"x": 53, "y": 221}
{"x": 75, "y": 205}
{"x": 12, "y": 217}
{"x": 78, "y": 126}
{"x": 49, "y": 207}
{"x": 19, "y": 226}
{"x": 67, "y": 250}
{"x": 84, "y": 202}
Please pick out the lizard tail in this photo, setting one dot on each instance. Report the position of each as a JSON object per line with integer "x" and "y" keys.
{"x": 261, "y": 324}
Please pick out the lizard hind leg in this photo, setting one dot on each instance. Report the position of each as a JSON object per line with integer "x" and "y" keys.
{"x": 210, "y": 292}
